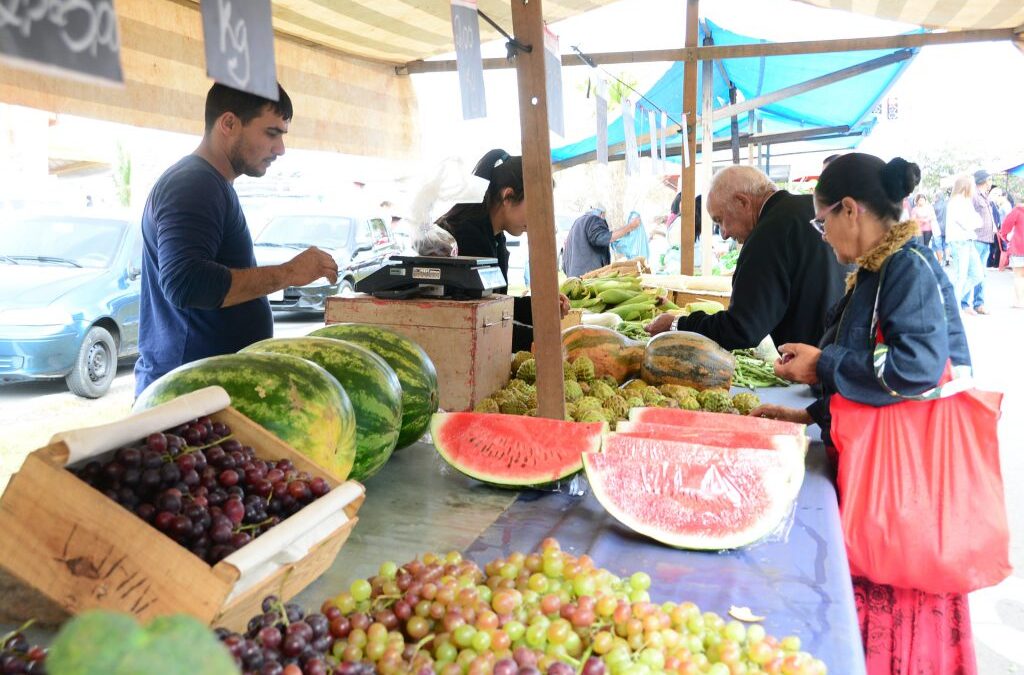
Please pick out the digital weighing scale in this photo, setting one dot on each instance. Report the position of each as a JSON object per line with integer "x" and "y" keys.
{"x": 456, "y": 277}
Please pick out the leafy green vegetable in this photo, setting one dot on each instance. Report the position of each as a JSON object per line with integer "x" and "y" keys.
{"x": 114, "y": 644}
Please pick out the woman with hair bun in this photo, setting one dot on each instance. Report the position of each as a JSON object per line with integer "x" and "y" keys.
{"x": 899, "y": 284}
{"x": 479, "y": 229}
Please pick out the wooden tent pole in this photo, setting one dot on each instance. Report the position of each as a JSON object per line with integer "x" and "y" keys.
{"x": 707, "y": 157}
{"x": 528, "y": 27}
{"x": 688, "y": 175}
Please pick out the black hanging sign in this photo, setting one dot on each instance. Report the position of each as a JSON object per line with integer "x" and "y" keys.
{"x": 466, "y": 32}
{"x": 77, "y": 37}
{"x": 239, "y": 40}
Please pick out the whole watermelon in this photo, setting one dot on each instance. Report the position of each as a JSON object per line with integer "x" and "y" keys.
{"x": 372, "y": 387}
{"x": 414, "y": 368}
{"x": 295, "y": 399}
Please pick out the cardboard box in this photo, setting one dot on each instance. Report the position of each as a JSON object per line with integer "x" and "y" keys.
{"x": 469, "y": 341}
{"x": 81, "y": 550}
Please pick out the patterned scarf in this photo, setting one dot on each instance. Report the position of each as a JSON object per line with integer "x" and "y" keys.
{"x": 898, "y": 235}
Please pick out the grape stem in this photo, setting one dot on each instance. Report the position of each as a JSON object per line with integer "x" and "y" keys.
{"x": 21, "y": 629}
{"x": 190, "y": 450}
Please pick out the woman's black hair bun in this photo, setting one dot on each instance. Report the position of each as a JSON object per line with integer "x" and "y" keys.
{"x": 899, "y": 178}
{"x": 485, "y": 166}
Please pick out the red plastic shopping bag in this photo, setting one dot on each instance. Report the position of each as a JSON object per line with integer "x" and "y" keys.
{"x": 921, "y": 493}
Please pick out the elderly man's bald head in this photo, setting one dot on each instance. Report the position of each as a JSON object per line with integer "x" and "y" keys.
{"x": 735, "y": 198}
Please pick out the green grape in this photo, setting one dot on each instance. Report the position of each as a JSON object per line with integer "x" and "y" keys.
{"x": 345, "y": 602}
{"x": 485, "y": 593}
{"x": 509, "y": 571}
{"x": 357, "y": 638}
{"x": 446, "y": 652}
{"x": 536, "y": 635}
{"x": 755, "y": 633}
{"x": 640, "y": 581}
{"x": 584, "y": 585}
{"x": 558, "y": 631}
{"x": 790, "y": 643}
{"x": 375, "y": 650}
{"x": 360, "y": 590}
{"x": 463, "y": 635}
{"x": 654, "y": 658}
{"x": 637, "y": 595}
{"x": 718, "y": 669}
{"x": 574, "y": 644}
{"x": 538, "y": 583}
{"x": 735, "y": 631}
{"x": 553, "y": 567}
{"x": 515, "y": 630}
{"x": 388, "y": 569}
{"x": 481, "y": 641}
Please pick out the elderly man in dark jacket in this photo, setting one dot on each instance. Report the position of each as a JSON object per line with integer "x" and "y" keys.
{"x": 786, "y": 279}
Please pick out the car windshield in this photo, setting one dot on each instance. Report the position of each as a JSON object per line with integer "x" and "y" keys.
{"x": 66, "y": 241}
{"x": 329, "y": 232}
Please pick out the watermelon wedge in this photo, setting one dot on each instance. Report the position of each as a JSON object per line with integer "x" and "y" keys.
{"x": 702, "y": 420}
{"x": 693, "y": 496}
{"x": 729, "y": 438}
{"x": 511, "y": 450}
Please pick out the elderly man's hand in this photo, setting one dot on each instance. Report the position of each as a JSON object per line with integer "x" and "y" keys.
{"x": 661, "y": 323}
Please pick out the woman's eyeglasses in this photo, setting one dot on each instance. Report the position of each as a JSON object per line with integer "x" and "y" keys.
{"x": 818, "y": 221}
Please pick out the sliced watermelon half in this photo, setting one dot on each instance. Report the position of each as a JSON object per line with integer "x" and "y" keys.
{"x": 703, "y": 498}
{"x": 729, "y": 438}
{"x": 648, "y": 449}
{"x": 511, "y": 450}
{"x": 699, "y": 419}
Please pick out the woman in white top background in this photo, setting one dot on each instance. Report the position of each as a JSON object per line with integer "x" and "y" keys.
{"x": 961, "y": 222}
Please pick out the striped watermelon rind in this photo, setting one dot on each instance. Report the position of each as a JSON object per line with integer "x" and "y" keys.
{"x": 372, "y": 387}
{"x": 512, "y": 451}
{"x": 410, "y": 362}
{"x": 295, "y": 399}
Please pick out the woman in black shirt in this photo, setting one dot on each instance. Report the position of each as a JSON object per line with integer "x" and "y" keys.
{"x": 480, "y": 229}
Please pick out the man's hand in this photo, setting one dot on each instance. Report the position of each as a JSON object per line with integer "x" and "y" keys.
{"x": 799, "y": 363}
{"x": 563, "y": 304}
{"x": 661, "y": 323}
{"x": 309, "y": 266}
{"x": 781, "y": 412}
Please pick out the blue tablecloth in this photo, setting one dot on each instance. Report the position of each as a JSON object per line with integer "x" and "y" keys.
{"x": 800, "y": 581}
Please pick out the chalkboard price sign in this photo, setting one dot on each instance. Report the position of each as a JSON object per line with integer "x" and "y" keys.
{"x": 239, "y": 40}
{"x": 74, "y": 36}
{"x": 466, "y": 31}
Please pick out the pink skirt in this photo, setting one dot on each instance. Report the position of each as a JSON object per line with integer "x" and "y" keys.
{"x": 910, "y": 632}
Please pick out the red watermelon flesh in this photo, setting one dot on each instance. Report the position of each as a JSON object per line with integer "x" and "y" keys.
{"x": 729, "y": 438}
{"x": 699, "y": 419}
{"x": 512, "y": 450}
{"x": 646, "y": 449}
{"x": 698, "y": 498}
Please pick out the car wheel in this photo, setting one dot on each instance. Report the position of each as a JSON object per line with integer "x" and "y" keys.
{"x": 95, "y": 365}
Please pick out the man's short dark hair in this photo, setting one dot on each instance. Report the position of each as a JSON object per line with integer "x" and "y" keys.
{"x": 246, "y": 107}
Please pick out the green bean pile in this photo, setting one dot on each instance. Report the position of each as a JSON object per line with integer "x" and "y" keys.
{"x": 753, "y": 372}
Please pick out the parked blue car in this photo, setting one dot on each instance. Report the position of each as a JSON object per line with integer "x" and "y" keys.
{"x": 69, "y": 298}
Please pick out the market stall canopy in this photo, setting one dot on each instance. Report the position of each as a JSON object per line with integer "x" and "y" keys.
{"x": 399, "y": 31}
{"x": 958, "y": 14}
{"x": 336, "y": 60}
{"x": 839, "y": 109}
{"x": 1016, "y": 171}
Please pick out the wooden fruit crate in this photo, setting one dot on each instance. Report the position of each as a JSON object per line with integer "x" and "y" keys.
{"x": 82, "y": 550}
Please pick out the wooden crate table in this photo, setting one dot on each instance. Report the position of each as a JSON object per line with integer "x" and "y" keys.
{"x": 469, "y": 341}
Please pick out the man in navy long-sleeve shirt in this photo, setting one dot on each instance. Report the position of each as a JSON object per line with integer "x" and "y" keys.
{"x": 202, "y": 293}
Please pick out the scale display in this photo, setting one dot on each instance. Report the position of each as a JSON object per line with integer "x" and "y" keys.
{"x": 456, "y": 277}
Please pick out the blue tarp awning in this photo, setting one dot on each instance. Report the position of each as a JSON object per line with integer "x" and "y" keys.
{"x": 846, "y": 103}
{"x": 1016, "y": 171}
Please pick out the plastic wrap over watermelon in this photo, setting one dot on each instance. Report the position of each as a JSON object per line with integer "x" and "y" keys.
{"x": 697, "y": 496}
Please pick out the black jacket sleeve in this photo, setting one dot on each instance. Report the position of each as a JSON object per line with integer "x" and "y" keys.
{"x": 760, "y": 296}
